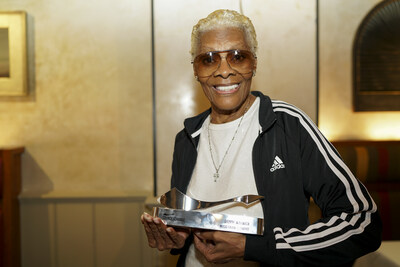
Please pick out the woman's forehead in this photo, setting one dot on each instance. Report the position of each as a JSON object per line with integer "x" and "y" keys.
{"x": 220, "y": 39}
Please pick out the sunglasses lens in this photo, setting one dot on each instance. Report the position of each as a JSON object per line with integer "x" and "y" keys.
{"x": 207, "y": 63}
{"x": 241, "y": 61}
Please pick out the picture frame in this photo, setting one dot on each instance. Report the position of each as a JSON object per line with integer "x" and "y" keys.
{"x": 13, "y": 54}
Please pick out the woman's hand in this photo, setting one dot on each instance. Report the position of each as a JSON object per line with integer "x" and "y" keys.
{"x": 160, "y": 236}
{"x": 220, "y": 247}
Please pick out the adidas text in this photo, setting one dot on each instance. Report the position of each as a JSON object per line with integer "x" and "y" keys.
{"x": 279, "y": 166}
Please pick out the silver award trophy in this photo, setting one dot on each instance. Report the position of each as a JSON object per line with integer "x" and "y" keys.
{"x": 184, "y": 211}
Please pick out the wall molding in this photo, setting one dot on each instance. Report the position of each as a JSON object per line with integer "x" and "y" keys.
{"x": 85, "y": 195}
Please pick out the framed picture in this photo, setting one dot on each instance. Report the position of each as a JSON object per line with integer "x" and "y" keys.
{"x": 13, "y": 54}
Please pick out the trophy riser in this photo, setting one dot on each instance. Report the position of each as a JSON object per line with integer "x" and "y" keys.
{"x": 210, "y": 221}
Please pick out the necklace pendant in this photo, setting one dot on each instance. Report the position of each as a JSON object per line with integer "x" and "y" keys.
{"x": 216, "y": 176}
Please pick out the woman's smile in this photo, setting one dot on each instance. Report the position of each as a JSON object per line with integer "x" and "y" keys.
{"x": 227, "y": 89}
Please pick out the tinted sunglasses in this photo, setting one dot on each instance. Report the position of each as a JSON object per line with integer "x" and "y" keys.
{"x": 206, "y": 64}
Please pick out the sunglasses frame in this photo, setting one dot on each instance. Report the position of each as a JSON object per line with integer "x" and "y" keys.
{"x": 225, "y": 51}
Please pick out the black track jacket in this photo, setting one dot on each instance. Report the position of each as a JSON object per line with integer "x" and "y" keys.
{"x": 310, "y": 166}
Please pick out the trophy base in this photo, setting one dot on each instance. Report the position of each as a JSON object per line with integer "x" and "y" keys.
{"x": 210, "y": 221}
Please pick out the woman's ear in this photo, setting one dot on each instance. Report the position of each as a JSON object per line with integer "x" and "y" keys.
{"x": 255, "y": 67}
{"x": 195, "y": 74}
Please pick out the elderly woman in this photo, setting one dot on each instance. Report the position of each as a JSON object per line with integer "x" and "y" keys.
{"x": 247, "y": 144}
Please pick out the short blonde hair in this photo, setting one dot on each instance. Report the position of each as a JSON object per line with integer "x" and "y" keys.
{"x": 224, "y": 18}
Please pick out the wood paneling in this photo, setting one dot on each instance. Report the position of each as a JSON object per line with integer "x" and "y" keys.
{"x": 85, "y": 231}
{"x": 38, "y": 246}
{"x": 74, "y": 234}
{"x": 118, "y": 223}
{"x": 10, "y": 187}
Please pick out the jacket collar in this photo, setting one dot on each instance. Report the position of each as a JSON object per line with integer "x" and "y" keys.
{"x": 266, "y": 117}
{"x": 193, "y": 124}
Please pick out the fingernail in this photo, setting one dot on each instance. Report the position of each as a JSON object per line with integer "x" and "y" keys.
{"x": 147, "y": 217}
{"x": 169, "y": 230}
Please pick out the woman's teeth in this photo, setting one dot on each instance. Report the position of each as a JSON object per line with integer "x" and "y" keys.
{"x": 227, "y": 88}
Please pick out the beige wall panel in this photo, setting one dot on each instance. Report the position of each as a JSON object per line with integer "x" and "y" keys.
{"x": 75, "y": 239}
{"x": 286, "y": 33}
{"x": 87, "y": 123}
{"x": 135, "y": 148}
{"x": 339, "y": 21}
{"x": 37, "y": 234}
{"x": 286, "y": 62}
{"x": 118, "y": 234}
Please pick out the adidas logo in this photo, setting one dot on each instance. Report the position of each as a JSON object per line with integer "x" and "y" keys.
{"x": 278, "y": 164}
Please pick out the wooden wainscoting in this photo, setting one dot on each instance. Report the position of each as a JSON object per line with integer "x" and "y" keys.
{"x": 86, "y": 230}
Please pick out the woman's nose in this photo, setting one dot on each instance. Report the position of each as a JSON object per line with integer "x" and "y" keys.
{"x": 224, "y": 69}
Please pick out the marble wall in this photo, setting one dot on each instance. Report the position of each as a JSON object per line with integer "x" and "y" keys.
{"x": 86, "y": 123}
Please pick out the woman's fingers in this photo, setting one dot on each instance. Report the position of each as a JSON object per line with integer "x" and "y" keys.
{"x": 158, "y": 233}
{"x": 153, "y": 234}
{"x": 178, "y": 238}
{"x": 160, "y": 236}
{"x": 164, "y": 240}
{"x": 149, "y": 233}
{"x": 220, "y": 247}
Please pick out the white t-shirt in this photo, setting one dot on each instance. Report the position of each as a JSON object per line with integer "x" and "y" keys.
{"x": 236, "y": 175}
